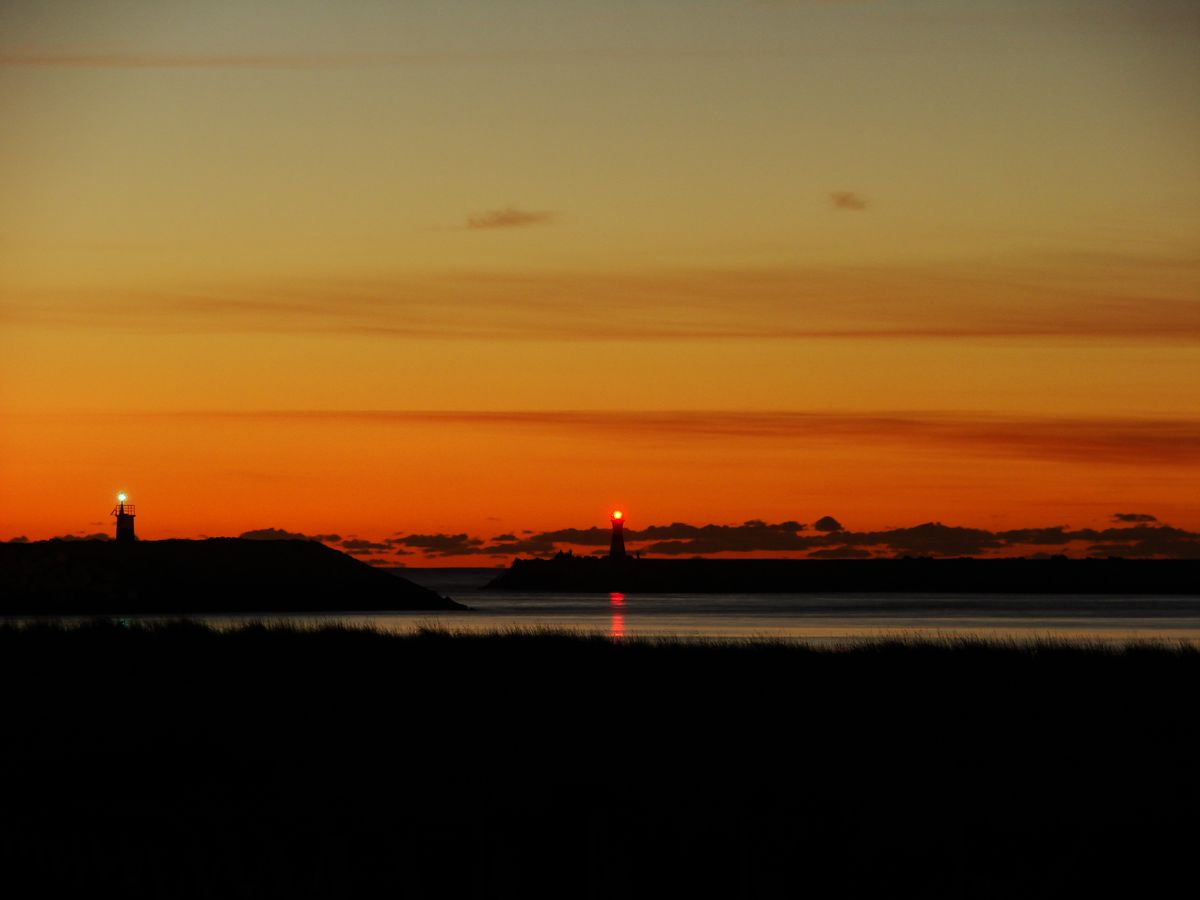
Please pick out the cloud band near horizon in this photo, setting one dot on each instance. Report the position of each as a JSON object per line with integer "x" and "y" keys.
{"x": 790, "y": 538}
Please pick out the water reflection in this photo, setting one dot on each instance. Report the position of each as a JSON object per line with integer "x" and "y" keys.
{"x": 617, "y": 603}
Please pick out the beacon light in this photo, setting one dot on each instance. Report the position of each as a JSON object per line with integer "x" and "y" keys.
{"x": 617, "y": 514}
{"x": 121, "y": 498}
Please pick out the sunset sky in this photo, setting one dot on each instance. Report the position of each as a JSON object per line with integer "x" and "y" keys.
{"x": 470, "y": 269}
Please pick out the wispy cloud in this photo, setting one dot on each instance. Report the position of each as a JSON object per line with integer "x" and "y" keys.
{"x": 1114, "y": 440}
{"x": 142, "y": 60}
{"x": 848, "y": 200}
{"x": 1044, "y": 297}
{"x": 96, "y": 58}
{"x": 509, "y": 217}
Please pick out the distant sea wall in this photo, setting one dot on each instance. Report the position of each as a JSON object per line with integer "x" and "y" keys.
{"x": 746, "y": 576}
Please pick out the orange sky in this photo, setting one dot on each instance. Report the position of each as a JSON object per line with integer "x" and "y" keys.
{"x": 446, "y": 268}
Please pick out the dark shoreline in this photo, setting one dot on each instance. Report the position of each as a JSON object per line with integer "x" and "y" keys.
{"x": 174, "y": 760}
{"x": 566, "y": 572}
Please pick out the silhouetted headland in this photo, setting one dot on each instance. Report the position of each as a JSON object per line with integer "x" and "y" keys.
{"x": 587, "y": 574}
{"x": 217, "y": 575}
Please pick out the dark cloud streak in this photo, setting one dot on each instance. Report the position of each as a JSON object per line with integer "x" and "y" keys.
{"x": 1052, "y": 298}
{"x": 439, "y": 544}
{"x": 509, "y": 217}
{"x": 1132, "y": 441}
{"x": 359, "y": 547}
{"x": 280, "y": 534}
{"x": 1134, "y": 517}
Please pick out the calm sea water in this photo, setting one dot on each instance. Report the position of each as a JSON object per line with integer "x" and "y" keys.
{"x": 808, "y": 616}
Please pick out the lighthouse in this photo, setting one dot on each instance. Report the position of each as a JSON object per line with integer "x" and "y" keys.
{"x": 124, "y": 512}
{"x": 616, "y": 549}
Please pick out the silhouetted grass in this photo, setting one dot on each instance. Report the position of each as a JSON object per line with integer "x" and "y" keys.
{"x": 171, "y": 759}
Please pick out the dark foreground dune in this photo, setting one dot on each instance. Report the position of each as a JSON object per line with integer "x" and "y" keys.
{"x": 179, "y": 762}
{"x": 217, "y": 575}
{"x": 1129, "y": 577}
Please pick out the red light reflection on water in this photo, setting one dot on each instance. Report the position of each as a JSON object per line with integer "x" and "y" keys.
{"x": 617, "y": 602}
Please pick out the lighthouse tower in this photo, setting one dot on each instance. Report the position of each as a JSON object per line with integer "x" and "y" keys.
{"x": 124, "y": 512}
{"x": 616, "y": 549}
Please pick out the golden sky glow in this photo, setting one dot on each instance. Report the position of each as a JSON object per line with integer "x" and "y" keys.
{"x": 707, "y": 260}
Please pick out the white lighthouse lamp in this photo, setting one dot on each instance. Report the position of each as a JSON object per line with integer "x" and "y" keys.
{"x": 124, "y": 512}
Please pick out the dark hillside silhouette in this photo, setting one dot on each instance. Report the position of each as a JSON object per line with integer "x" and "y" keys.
{"x": 216, "y": 575}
